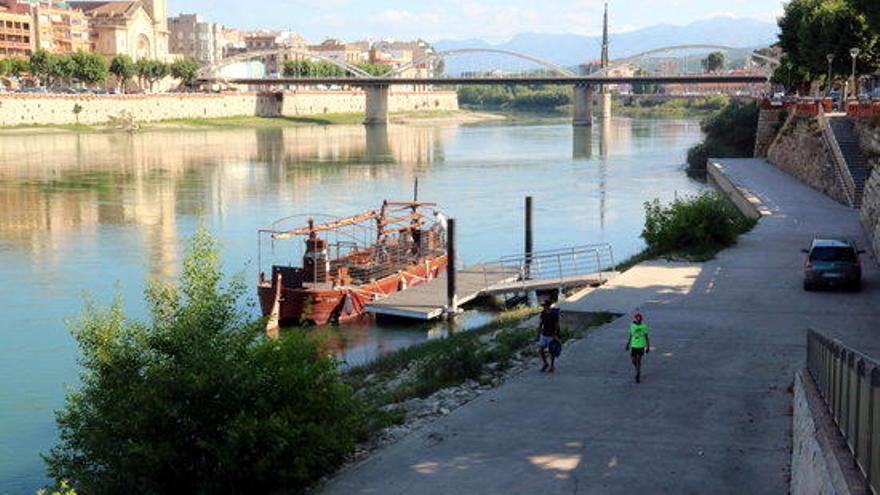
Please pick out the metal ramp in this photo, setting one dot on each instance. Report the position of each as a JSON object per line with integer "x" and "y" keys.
{"x": 546, "y": 270}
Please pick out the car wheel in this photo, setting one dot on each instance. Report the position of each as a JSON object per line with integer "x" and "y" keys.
{"x": 857, "y": 286}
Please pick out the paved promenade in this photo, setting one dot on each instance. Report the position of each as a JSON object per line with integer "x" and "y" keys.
{"x": 713, "y": 412}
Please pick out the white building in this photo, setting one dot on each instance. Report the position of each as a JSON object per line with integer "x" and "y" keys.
{"x": 195, "y": 39}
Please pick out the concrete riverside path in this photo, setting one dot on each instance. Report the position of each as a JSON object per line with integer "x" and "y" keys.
{"x": 713, "y": 412}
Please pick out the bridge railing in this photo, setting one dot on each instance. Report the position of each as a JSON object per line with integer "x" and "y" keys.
{"x": 587, "y": 263}
{"x": 849, "y": 383}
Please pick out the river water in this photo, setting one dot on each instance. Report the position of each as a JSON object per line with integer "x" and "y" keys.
{"x": 84, "y": 213}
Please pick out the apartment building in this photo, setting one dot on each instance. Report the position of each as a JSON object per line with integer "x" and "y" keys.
{"x": 16, "y": 34}
{"x": 195, "y": 39}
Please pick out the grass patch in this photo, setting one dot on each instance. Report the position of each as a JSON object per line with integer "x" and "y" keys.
{"x": 450, "y": 361}
{"x": 693, "y": 228}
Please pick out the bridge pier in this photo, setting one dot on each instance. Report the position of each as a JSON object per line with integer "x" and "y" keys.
{"x": 604, "y": 101}
{"x": 376, "y": 107}
{"x": 583, "y": 105}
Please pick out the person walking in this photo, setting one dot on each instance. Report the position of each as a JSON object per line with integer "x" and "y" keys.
{"x": 638, "y": 343}
{"x": 548, "y": 335}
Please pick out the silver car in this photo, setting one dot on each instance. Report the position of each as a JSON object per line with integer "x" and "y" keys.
{"x": 832, "y": 263}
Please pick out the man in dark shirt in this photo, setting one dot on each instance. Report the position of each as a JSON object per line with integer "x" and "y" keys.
{"x": 548, "y": 331}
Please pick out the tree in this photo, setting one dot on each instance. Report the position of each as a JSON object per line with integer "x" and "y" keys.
{"x": 19, "y": 66}
{"x": 713, "y": 62}
{"x": 729, "y": 133}
{"x": 809, "y": 30}
{"x": 89, "y": 68}
{"x": 123, "y": 69}
{"x": 297, "y": 68}
{"x": 197, "y": 399}
{"x": 151, "y": 71}
{"x": 869, "y": 9}
{"x": 185, "y": 70}
{"x": 41, "y": 63}
{"x": 61, "y": 69}
{"x": 5, "y": 67}
{"x": 374, "y": 69}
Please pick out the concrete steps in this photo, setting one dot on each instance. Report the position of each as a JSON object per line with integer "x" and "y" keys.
{"x": 848, "y": 141}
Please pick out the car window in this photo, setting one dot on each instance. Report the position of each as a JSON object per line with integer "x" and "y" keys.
{"x": 828, "y": 253}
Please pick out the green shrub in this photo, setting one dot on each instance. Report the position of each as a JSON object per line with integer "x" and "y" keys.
{"x": 453, "y": 364}
{"x": 695, "y": 226}
{"x": 729, "y": 133}
{"x": 197, "y": 400}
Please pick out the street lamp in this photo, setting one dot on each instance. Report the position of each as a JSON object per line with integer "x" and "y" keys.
{"x": 830, "y": 58}
{"x": 854, "y": 53}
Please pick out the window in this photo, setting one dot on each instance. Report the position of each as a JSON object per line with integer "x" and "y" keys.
{"x": 829, "y": 253}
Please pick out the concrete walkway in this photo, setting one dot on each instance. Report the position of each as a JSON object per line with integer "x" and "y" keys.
{"x": 713, "y": 412}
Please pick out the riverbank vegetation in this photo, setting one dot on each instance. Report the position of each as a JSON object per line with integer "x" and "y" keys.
{"x": 549, "y": 98}
{"x": 196, "y": 400}
{"x": 693, "y": 228}
{"x": 728, "y": 133}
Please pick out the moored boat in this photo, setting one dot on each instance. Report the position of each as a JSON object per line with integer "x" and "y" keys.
{"x": 347, "y": 262}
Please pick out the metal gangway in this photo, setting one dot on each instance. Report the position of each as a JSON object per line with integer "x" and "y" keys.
{"x": 589, "y": 264}
{"x": 577, "y": 266}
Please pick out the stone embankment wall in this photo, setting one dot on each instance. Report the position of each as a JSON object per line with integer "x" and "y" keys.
{"x": 30, "y": 109}
{"x": 769, "y": 122}
{"x": 800, "y": 151}
{"x": 868, "y": 130}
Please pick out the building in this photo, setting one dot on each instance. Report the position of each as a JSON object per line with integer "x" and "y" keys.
{"x": 16, "y": 34}
{"x": 415, "y": 55}
{"x": 138, "y": 29}
{"x": 196, "y": 40}
{"x": 59, "y": 28}
{"x": 334, "y": 49}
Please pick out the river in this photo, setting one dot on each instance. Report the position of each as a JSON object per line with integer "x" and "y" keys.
{"x": 85, "y": 213}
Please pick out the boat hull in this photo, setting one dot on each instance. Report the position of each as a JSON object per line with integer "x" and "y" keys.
{"x": 309, "y": 305}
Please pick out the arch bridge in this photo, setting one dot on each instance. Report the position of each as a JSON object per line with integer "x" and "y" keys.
{"x": 430, "y": 67}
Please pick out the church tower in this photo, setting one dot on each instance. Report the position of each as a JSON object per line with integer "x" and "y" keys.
{"x": 158, "y": 10}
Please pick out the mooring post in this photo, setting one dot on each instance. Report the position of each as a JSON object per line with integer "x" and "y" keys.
{"x": 451, "y": 306}
{"x": 528, "y": 226}
{"x": 531, "y": 295}
{"x": 416, "y": 189}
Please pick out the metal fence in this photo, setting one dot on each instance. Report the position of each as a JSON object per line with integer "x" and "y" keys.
{"x": 587, "y": 263}
{"x": 849, "y": 383}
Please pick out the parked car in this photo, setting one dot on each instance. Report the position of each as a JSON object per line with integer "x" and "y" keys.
{"x": 832, "y": 263}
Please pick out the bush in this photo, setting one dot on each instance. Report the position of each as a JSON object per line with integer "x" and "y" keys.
{"x": 696, "y": 227}
{"x": 453, "y": 364}
{"x": 197, "y": 400}
{"x": 729, "y": 133}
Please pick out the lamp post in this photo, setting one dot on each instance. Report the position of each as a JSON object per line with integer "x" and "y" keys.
{"x": 830, "y": 58}
{"x": 854, "y": 53}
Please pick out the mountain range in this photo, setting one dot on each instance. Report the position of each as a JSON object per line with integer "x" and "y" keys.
{"x": 569, "y": 50}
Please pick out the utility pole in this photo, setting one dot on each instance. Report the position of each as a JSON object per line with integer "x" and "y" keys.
{"x": 604, "y": 58}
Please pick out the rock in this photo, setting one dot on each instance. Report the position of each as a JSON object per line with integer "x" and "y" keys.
{"x": 411, "y": 405}
{"x": 444, "y": 411}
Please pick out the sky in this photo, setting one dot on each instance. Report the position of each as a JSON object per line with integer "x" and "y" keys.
{"x": 491, "y": 20}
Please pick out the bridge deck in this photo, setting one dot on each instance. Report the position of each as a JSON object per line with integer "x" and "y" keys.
{"x": 428, "y": 301}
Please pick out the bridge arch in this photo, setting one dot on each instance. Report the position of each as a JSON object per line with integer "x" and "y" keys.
{"x": 637, "y": 56}
{"x": 211, "y": 71}
{"x": 433, "y": 57}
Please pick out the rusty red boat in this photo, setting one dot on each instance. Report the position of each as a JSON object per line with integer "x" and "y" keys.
{"x": 347, "y": 262}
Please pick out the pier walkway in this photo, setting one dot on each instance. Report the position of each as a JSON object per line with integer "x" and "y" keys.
{"x": 713, "y": 413}
{"x": 588, "y": 265}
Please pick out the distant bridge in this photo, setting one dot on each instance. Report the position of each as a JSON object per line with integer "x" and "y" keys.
{"x": 376, "y": 87}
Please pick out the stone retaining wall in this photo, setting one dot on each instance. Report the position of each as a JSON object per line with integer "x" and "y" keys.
{"x": 801, "y": 151}
{"x": 33, "y": 109}
{"x": 868, "y": 130}
{"x": 769, "y": 122}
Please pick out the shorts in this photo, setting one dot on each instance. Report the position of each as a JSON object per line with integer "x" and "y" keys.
{"x": 637, "y": 351}
{"x": 544, "y": 341}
